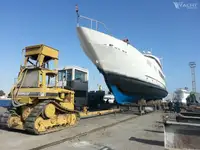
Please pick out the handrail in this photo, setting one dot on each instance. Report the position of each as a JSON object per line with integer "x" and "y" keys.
{"x": 91, "y": 22}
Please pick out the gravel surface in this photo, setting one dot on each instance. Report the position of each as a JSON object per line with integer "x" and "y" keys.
{"x": 142, "y": 133}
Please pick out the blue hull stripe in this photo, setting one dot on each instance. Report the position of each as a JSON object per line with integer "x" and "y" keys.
{"x": 122, "y": 98}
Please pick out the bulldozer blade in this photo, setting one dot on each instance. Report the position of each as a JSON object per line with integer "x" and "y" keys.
{"x": 181, "y": 135}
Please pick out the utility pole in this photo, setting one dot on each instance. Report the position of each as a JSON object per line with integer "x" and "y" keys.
{"x": 192, "y": 66}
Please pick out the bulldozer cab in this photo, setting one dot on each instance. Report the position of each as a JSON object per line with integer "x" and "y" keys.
{"x": 40, "y": 56}
{"x": 36, "y": 72}
{"x": 33, "y": 78}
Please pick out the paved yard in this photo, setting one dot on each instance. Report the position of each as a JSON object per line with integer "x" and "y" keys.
{"x": 21, "y": 141}
{"x": 142, "y": 133}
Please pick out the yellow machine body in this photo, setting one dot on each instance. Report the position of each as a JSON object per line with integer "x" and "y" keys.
{"x": 39, "y": 106}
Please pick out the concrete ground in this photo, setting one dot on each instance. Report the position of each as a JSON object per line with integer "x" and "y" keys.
{"x": 138, "y": 133}
{"x": 19, "y": 140}
{"x": 142, "y": 133}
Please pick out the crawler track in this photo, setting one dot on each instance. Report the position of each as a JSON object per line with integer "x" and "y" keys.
{"x": 4, "y": 119}
{"x": 29, "y": 123}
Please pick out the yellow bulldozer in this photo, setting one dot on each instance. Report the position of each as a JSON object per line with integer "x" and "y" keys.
{"x": 39, "y": 106}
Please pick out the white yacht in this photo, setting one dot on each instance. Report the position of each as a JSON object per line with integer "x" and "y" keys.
{"x": 129, "y": 74}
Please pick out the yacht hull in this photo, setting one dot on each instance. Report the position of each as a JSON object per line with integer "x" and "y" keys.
{"x": 130, "y": 90}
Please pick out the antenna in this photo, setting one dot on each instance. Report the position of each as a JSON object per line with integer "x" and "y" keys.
{"x": 192, "y": 67}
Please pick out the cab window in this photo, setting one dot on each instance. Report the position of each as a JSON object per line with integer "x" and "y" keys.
{"x": 80, "y": 75}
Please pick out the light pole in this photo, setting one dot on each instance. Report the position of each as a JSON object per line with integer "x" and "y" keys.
{"x": 192, "y": 66}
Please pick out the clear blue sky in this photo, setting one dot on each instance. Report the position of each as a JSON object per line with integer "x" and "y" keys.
{"x": 171, "y": 33}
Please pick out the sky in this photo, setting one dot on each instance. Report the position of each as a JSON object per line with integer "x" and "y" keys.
{"x": 172, "y": 34}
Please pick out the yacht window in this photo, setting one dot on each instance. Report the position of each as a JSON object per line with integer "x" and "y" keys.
{"x": 155, "y": 60}
{"x": 155, "y": 68}
{"x": 149, "y": 63}
{"x": 161, "y": 75}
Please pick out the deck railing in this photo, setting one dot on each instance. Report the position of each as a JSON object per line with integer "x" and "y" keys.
{"x": 93, "y": 23}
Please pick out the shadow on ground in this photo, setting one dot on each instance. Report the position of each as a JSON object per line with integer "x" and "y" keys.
{"x": 106, "y": 148}
{"x": 16, "y": 131}
{"x": 145, "y": 141}
{"x": 154, "y": 131}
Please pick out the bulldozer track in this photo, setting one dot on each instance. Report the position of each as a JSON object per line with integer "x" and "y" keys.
{"x": 29, "y": 122}
{"x": 84, "y": 133}
{"x": 4, "y": 119}
{"x": 37, "y": 111}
